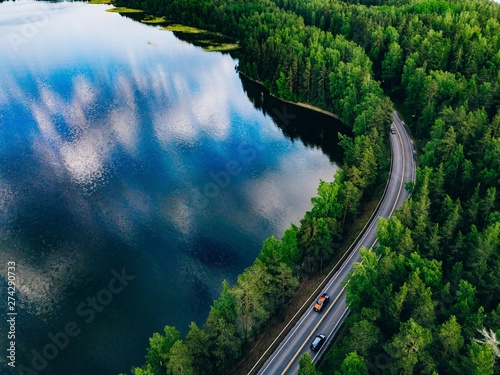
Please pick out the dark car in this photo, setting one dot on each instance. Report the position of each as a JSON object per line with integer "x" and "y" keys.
{"x": 321, "y": 302}
{"x": 393, "y": 130}
{"x": 318, "y": 342}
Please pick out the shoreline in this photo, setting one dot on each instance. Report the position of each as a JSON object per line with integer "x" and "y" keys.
{"x": 207, "y": 40}
{"x": 298, "y": 104}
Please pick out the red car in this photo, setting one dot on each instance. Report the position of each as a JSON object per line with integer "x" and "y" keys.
{"x": 321, "y": 302}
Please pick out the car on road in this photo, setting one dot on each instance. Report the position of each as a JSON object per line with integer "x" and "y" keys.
{"x": 321, "y": 302}
{"x": 318, "y": 342}
{"x": 393, "y": 130}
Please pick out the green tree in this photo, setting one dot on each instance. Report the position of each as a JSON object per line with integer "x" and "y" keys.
{"x": 327, "y": 203}
{"x": 414, "y": 300}
{"x": 159, "y": 349}
{"x": 271, "y": 251}
{"x": 489, "y": 337}
{"x": 284, "y": 87}
{"x": 198, "y": 344}
{"x": 353, "y": 364}
{"x": 225, "y": 304}
{"x": 316, "y": 240}
{"x": 251, "y": 302}
{"x": 291, "y": 254}
{"x": 408, "y": 347}
{"x": 450, "y": 336}
{"x": 147, "y": 370}
{"x": 466, "y": 301}
{"x": 363, "y": 337}
{"x": 421, "y": 205}
{"x": 287, "y": 282}
{"x": 224, "y": 342}
{"x": 487, "y": 203}
{"x": 393, "y": 234}
{"x": 181, "y": 361}
{"x": 392, "y": 65}
{"x": 362, "y": 285}
{"x": 351, "y": 200}
{"x": 480, "y": 359}
{"x": 306, "y": 366}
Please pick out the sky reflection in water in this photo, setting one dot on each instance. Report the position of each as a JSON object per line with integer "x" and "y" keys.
{"x": 110, "y": 131}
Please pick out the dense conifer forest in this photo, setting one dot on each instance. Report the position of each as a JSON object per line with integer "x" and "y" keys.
{"x": 427, "y": 299}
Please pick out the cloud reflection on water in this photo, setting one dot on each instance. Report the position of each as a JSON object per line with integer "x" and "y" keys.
{"x": 102, "y": 146}
{"x": 199, "y": 112}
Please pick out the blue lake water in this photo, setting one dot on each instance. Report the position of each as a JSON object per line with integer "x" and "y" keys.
{"x": 137, "y": 172}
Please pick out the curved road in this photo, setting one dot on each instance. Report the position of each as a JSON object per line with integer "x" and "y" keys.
{"x": 285, "y": 358}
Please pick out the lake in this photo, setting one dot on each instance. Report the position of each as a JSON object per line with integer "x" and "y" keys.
{"x": 137, "y": 172}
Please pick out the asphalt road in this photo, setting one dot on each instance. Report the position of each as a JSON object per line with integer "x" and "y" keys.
{"x": 285, "y": 358}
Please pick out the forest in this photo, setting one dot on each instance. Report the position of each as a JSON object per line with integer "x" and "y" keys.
{"x": 427, "y": 300}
